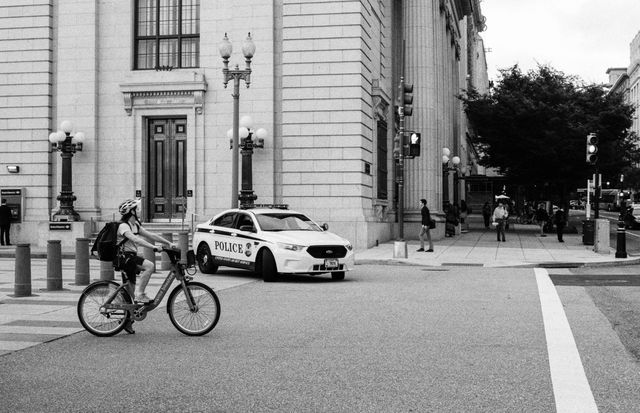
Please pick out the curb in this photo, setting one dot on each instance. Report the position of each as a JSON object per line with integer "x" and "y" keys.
{"x": 552, "y": 264}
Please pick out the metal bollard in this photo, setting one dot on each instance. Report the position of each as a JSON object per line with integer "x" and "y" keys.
{"x": 183, "y": 243}
{"x": 22, "y": 287}
{"x": 149, "y": 254}
{"x": 165, "y": 263}
{"x": 82, "y": 261}
{"x": 106, "y": 270}
{"x": 621, "y": 240}
{"x": 54, "y": 265}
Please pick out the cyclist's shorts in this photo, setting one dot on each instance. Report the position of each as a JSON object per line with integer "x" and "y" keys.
{"x": 132, "y": 266}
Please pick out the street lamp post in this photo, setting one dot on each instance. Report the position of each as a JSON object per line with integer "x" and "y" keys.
{"x": 247, "y": 143}
{"x": 446, "y": 167}
{"x": 67, "y": 145}
{"x": 621, "y": 235}
{"x": 236, "y": 74}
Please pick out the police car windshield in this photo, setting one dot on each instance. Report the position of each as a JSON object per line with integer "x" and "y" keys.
{"x": 286, "y": 222}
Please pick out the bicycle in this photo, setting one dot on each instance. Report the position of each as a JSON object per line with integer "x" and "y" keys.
{"x": 106, "y": 306}
{"x": 526, "y": 219}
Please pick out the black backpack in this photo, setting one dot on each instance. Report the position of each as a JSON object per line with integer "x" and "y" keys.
{"x": 105, "y": 247}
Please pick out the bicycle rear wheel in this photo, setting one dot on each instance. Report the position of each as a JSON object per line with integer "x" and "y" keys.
{"x": 107, "y": 322}
{"x": 203, "y": 318}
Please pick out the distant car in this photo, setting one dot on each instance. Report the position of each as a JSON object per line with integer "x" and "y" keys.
{"x": 576, "y": 204}
{"x": 632, "y": 216}
{"x": 270, "y": 241}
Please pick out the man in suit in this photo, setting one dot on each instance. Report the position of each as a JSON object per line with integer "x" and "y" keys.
{"x": 5, "y": 223}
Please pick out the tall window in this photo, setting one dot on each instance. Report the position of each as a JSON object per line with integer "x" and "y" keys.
{"x": 167, "y": 34}
{"x": 382, "y": 160}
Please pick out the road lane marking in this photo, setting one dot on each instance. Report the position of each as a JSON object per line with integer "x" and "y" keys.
{"x": 570, "y": 385}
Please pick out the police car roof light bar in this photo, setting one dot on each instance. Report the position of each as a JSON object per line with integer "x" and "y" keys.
{"x": 269, "y": 206}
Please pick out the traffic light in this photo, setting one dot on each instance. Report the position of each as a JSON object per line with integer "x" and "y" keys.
{"x": 397, "y": 146}
{"x": 592, "y": 148}
{"x": 414, "y": 144}
{"x": 407, "y": 98}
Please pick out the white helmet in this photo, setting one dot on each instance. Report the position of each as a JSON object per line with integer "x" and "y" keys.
{"x": 128, "y": 206}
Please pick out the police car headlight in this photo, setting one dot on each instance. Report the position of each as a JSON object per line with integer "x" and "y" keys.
{"x": 349, "y": 247}
{"x": 290, "y": 247}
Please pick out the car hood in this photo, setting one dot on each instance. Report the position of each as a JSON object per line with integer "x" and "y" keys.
{"x": 305, "y": 237}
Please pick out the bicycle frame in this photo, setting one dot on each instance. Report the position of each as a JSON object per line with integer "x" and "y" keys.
{"x": 176, "y": 272}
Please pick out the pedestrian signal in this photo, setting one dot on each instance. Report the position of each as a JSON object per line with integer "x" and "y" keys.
{"x": 414, "y": 144}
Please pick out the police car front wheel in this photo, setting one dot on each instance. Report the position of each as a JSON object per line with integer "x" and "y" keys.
{"x": 205, "y": 260}
{"x": 268, "y": 266}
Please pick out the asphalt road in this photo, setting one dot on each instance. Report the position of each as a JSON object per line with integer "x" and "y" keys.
{"x": 388, "y": 338}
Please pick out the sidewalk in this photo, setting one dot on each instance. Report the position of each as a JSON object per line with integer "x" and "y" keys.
{"x": 524, "y": 247}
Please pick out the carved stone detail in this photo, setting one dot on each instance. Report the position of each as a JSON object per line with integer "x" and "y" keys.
{"x": 167, "y": 94}
{"x": 380, "y": 102}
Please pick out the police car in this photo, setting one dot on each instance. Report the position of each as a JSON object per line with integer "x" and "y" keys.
{"x": 270, "y": 241}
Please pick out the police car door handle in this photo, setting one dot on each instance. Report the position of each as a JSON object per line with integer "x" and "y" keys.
{"x": 233, "y": 234}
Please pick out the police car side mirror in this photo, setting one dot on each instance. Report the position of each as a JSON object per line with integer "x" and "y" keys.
{"x": 248, "y": 228}
{"x": 325, "y": 227}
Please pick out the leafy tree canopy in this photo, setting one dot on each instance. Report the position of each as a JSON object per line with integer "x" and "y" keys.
{"x": 532, "y": 127}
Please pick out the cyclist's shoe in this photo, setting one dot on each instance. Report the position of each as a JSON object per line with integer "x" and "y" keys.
{"x": 142, "y": 298}
{"x": 128, "y": 327}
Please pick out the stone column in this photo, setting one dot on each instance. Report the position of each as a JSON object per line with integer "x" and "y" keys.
{"x": 423, "y": 70}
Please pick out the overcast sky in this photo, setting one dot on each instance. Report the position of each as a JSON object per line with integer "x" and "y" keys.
{"x": 577, "y": 37}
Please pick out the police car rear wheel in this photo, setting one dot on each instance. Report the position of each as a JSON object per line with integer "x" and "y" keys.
{"x": 338, "y": 276}
{"x": 268, "y": 265}
{"x": 205, "y": 260}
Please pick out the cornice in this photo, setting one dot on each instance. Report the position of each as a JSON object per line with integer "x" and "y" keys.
{"x": 164, "y": 93}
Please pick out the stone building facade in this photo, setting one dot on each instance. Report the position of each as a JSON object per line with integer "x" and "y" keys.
{"x": 634, "y": 81}
{"x": 143, "y": 81}
{"x": 626, "y": 80}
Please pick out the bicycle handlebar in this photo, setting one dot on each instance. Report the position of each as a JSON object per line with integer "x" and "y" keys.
{"x": 173, "y": 254}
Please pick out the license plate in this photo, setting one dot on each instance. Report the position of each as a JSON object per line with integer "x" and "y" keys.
{"x": 331, "y": 263}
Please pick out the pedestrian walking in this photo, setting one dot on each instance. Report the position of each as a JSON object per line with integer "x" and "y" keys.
{"x": 427, "y": 224}
{"x": 541, "y": 218}
{"x": 450, "y": 221}
{"x": 464, "y": 216}
{"x": 560, "y": 220}
{"x": 5, "y": 223}
{"x": 500, "y": 215}
{"x": 486, "y": 214}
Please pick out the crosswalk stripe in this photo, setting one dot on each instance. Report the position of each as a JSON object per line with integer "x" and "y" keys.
{"x": 39, "y": 330}
{"x": 16, "y": 345}
{"x": 570, "y": 385}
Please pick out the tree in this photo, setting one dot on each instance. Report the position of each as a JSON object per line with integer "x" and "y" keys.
{"x": 532, "y": 127}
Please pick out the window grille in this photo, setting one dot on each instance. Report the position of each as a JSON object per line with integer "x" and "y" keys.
{"x": 167, "y": 34}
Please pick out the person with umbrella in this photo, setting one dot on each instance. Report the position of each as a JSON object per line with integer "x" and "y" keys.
{"x": 500, "y": 215}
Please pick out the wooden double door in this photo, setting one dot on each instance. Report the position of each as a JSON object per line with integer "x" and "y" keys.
{"x": 167, "y": 168}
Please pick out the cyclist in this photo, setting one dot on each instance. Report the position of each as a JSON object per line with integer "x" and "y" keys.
{"x": 130, "y": 232}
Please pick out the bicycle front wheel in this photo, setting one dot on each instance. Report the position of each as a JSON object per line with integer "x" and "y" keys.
{"x": 93, "y": 317}
{"x": 199, "y": 320}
